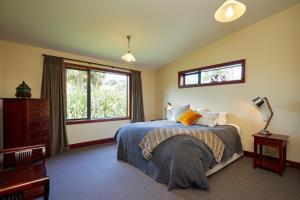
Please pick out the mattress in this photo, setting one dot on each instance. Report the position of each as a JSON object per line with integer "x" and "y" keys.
{"x": 221, "y": 165}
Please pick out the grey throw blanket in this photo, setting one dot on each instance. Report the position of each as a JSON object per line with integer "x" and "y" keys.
{"x": 155, "y": 137}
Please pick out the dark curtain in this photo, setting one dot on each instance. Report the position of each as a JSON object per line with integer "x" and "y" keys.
{"x": 53, "y": 89}
{"x": 137, "y": 108}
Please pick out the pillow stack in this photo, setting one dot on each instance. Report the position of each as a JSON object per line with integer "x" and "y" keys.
{"x": 188, "y": 117}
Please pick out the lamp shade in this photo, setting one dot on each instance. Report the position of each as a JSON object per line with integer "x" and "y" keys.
{"x": 258, "y": 101}
{"x": 168, "y": 106}
{"x": 230, "y": 11}
{"x": 128, "y": 57}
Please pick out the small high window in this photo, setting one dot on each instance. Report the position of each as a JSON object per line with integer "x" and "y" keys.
{"x": 220, "y": 74}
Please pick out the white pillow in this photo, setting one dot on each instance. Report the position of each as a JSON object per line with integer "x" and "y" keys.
{"x": 178, "y": 111}
{"x": 222, "y": 118}
{"x": 208, "y": 119}
{"x": 201, "y": 109}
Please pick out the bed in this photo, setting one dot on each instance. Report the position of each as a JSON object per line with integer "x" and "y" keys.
{"x": 181, "y": 161}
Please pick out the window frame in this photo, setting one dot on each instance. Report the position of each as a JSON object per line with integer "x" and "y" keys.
{"x": 89, "y": 69}
{"x": 200, "y": 69}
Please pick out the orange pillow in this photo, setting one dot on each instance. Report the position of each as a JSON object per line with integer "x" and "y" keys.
{"x": 189, "y": 117}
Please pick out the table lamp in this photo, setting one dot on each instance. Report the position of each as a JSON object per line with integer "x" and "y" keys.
{"x": 259, "y": 102}
{"x": 167, "y": 107}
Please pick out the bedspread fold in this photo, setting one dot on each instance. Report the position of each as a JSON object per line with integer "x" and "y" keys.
{"x": 155, "y": 137}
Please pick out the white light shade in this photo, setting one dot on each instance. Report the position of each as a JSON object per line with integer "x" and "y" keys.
{"x": 229, "y": 11}
{"x": 128, "y": 57}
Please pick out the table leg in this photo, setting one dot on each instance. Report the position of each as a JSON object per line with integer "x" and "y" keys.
{"x": 284, "y": 156}
{"x": 46, "y": 190}
{"x": 255, "y": 154}
{"x": 281, "y": 161}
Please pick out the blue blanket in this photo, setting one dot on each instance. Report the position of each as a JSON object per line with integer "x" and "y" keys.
{"x": 180, "y": 161}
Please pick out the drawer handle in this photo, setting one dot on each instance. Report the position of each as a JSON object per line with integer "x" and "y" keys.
{"x": 40, "y": 114}
{"x": 41, "y": 133}
{"x": 40, "y": 123}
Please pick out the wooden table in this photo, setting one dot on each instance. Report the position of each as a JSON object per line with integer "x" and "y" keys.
{"x": 32, "y": 181}
{"x": 268, "y": 162}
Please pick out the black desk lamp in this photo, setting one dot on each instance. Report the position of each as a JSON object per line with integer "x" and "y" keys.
{"x": 259, "y": 102}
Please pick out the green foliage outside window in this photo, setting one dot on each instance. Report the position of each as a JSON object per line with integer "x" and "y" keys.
{"x": 76, "y": 94}
{"x": 108, "y": 95}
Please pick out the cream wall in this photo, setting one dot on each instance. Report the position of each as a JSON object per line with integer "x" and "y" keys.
{"x": 271, "y": 49}
{"x": 22, "y": 62}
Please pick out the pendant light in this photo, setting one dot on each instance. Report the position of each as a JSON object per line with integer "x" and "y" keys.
{"x": 128, "y": 56}
{"x": 230, "y": 11}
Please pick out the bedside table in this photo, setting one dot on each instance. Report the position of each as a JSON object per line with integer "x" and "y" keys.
{"x": 268, "y": 162}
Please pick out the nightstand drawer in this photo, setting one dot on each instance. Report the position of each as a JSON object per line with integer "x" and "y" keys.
{"x": 268, "y": 142}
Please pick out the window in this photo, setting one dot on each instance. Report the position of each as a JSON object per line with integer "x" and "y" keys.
{"x": 220, "y": 74}
{"x": 191, "y": 78}
{"x": 76, "y": 94}
{"x": 96, "y": 94}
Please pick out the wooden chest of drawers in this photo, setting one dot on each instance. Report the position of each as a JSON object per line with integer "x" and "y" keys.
{"x": 26, "y": 122}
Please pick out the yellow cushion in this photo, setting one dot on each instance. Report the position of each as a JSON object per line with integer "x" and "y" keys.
{"x": 189, "y": 117}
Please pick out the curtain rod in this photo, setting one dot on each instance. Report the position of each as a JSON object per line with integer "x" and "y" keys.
{"x": 93, "y": 63}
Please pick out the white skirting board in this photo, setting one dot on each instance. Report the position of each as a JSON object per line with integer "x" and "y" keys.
{"x": 223, "y": 164}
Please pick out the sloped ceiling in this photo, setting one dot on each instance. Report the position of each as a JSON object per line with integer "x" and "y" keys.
{"x": 162, "y": 30}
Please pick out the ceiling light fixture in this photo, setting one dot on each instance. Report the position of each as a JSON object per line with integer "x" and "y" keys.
{"x": 128, "y": 56}
{"x": 230, "y": 11}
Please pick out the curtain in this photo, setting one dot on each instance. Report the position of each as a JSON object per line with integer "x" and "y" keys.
{"x": 53, "y": 89}
{"x": 137, "y": 108}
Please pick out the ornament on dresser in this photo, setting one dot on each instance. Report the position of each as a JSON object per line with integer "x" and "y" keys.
{"x": 23, "y": 91}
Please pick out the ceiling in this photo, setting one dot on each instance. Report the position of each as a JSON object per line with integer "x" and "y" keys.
{"x": 162, "y": 30}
